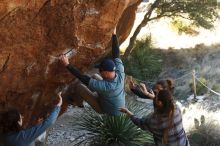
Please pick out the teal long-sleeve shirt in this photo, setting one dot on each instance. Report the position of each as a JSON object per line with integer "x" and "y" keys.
{"x": 27, "y": 137}
{"x": 111, "y": 92}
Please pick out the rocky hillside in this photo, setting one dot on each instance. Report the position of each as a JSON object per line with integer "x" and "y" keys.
{"x": 178, "y": 64}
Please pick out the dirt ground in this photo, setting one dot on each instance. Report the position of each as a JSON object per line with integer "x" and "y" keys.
{"x": 63, "y": 132}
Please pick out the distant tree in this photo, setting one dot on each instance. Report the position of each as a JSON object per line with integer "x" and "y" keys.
{"x": 202, "y": 13}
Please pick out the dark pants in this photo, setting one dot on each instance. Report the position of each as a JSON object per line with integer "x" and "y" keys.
{"x": 92, "y": 98}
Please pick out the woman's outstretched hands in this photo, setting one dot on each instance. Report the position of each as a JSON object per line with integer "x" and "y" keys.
{"x": 144, "y": 90}
{"x": 60, "y": 99}
{"x": 126, "y": 111}
{"x": 132, "y": 85}
{"x": 123, "y": 110}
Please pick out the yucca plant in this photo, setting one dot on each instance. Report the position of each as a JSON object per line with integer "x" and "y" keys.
{"x": 145, "y": 62}
{"x": 104, "y": 130}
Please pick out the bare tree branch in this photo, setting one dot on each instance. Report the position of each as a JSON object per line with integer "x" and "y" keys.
{"x": 140, "y": 26}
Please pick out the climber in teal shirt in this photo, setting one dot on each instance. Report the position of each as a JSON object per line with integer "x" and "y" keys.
{"x": 104, "y": 92}
{"x": 13, "y": 135}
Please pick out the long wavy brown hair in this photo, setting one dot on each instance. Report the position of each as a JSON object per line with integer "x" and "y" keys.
{"x": 167, "y": 84}
{"x": 165, "y": 106}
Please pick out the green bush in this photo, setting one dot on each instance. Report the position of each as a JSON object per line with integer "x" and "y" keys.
{"x": 144, "y": 63}
{"x": 104, "y": 130}
{"x": 200, "y": 89}
{"x": 216, "y": 87}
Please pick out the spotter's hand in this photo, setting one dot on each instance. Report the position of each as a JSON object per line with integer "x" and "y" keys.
{"x": 60, "y": 99}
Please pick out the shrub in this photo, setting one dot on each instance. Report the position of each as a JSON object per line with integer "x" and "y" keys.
{"x": 200, "y": 89}
{"x": 216, "y": 87}
{"x": 144, "y": 63}
{"x": 104, "y": 130}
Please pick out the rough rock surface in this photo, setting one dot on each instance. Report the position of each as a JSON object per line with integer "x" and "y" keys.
{"x": 34, "y": 32}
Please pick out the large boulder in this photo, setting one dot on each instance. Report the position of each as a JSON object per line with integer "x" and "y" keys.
{"x": 34, "y": 33}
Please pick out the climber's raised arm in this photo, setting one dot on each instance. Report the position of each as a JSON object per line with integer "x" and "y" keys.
{"x": 83, "y": 78}
{"x": 115, "y": 46}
